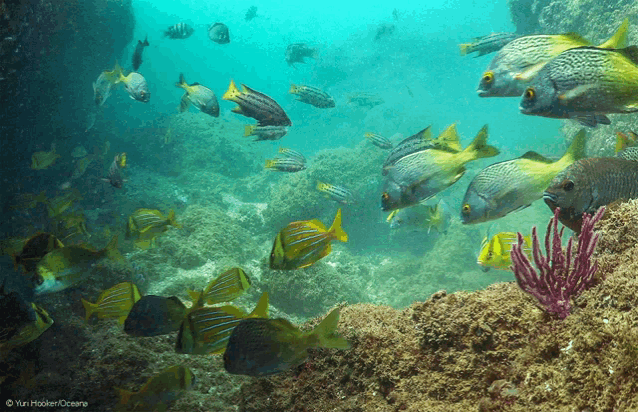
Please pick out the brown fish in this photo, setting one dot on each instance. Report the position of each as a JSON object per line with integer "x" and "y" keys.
{"x": 114, "y": 176}
{"x": 590, "y": 183}
{"x": 260, "y": 107}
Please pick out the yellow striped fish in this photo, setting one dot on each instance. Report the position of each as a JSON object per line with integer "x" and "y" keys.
{"x": 300, "y": 244}
{"x": 495, "y": 253}
{"x": 207, "y": 330}
{"x": 337, "y": 193}
{"x": 115, "y": 302}
{"x": 378, "y": 140}
{"x": 285, "y": 164}
{"x": 150, "y": 221}
{"x": 292, "y": 154}
{"x": 224, "y": 288}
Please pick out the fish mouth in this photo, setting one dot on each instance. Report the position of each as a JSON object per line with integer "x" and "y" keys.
{"x": 550, "y": 199}
{"x": 483, "y": 93}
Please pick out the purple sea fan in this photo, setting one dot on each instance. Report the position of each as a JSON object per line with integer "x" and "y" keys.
{"x": 562, "y": 275}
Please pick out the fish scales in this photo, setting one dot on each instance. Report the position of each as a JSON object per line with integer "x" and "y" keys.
{"x": 415, "y": 143}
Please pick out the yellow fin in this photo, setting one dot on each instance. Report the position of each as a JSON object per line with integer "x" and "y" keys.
{"x": 248, "y": 130}
{"x": 89, "y": 307}
{"x": 450, "y": 138}
{"x": 575, "y": 151}
{"x": 325, "y": 333}
{"x": 479, "y": 147}
{"x": 464, "y": 48}
{"x": 261, "y": 310}
{"x": 232, "y": 91}
{"x": 293, "y": 89}
{"x": 336, "y": 229}
{"x": 529, "y": 73}
{"x": 619, "y": 39}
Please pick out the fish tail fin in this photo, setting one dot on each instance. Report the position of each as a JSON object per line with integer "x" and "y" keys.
{"x": 575, "y": 151}
{"x": 172, "y": 221}
{"x": 464, "y": 48}
{"x": 479, "y": 148}
{"x": 622, "y": 142}
{"x": 248, "y": 129}
{"x": 293, "y": 89}
{"x": 90, "y": 308}
{"x": 232, "y": 91}
{"x": 619, "y": 39}
{"x": 194, "y": 296}
{"x": 261, "y": 310}
{"x": 182, "y": 82}
{"x": 118, "y": 73}
{"x": 146, "y": 41}
{"x": 112, "y": 252}
{"x": 325, "y": 333}
{"x": 270, "y": 163}
{"x": 336, "y": 230}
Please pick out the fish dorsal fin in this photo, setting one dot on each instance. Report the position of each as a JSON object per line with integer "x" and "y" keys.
{"x": 576, "y": 38}
{"x": 530, "y": 72}
{"x": 425, "y": 134}
{"x": 318, "y": 225}
{"x": 450, "y": 138}
{"x": 619, "y": 39}
{"x": 195, "y": 84}
{"x": 631, "y": 53}
{"x": 536, "y": 157}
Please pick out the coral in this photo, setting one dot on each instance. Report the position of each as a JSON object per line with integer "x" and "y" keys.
{"x": 557, "y": 284}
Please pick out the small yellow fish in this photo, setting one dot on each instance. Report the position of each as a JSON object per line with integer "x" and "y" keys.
{"x": 42, "y": 160}
{"x": 115, "y": 302}
{"x": 495, "y": 253}
{"x": 62, "y": 203}
{"x": 150, "y": 221}
{"x": 120, "y": 158}
{"x": 224, "y": 288}
{"x": 302, "y": 243}
{"x": 158, "y": 392}
{"x": 34, "y": 249}
{"x": 624, "y": 141}
{"x": 30, "y": 331}
{"x": 206, "y": 330}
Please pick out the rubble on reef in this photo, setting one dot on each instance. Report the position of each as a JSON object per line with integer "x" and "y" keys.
{"x": 489, "y": 350}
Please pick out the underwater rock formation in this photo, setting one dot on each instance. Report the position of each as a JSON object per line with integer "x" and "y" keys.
{"x": 489, "y": 350}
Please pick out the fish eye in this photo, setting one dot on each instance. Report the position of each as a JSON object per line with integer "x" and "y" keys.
{"x": 568, "y": 185}
{"x": 488, "y": 77}
{"x": 529, "y": 94}
{"x": 466, "y": 209}
{"x": 490, "y": 255}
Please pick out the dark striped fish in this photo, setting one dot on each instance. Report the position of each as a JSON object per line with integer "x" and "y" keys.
{"x": 224, "y": 288}
{"x": 285, "y": 164}
{"x": 337, "y": 193}
{"x": 179, "y": 31}
{"x": 207, "y": 330}
{"x": 115, "y": 302}
{"x": 114, "y": 176}
{"x": 292, "y": 154}
{"x": 155, "y": 315}
{"x": 590, "y": 183}
{"x": 368, "y": 100}
{"x": 137, "y": 54}
{"x": 260, "y": 107}
{"x": 378, "y": 140}
{"x": 487, "y": 44}
{"x": 313, "y": 96}
{"x": 265, "y": 132}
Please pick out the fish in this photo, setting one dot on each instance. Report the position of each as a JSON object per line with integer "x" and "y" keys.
{"x": 60, "y": 204}
{"x": 150, "y": 221}
{"x": 34, "y": 249}
{"x": 313, "y": 96}
{"x": 490, "y": 43}
{"x": 155, "y": 315}
{"x": 80, "y": 167}
{"x": 368, "y": 100}
{"x": 302, "y": 243}
{"x": 17, "y": 313}
{"x": 623, "y": 141}
{"x": 447, "y": 140}
{"x": 200, "y": 96}
{"x": 588, "y": 184}
{"x": 291, "y": 153}
{"x": 251, "y": 103}
{"x": 115, "y": 302}
{"x": 68, "y": 266}
{"x": 206, "y": 330}
{"x": 114, "y": 176}
{"x": 419, "y": 176}
{"x": 179, "y": 31}
{"x": 27, "y": 332}
{"x": 513, "y": 185}
{"x": 219, "y": 33}
{"x": 226, "y": 287}
{"x": 102, "y": 89}
{"x": 261, "y": 347}
{"x": 297, "y": 53}
{"x": 337, "y": 193}
{"x": 495, "y": 252}
{"x": 379, "y": 141}
{"x": 121, "y": 159}
{"x": 630, "y": 153}
{"x": 72, "y": 224}
{"x": 421, "y": 216}
{"x": 265, "y": 132}
{"x": 520, "y": 60}
{"x": 43, "y": 160}
{"x": 384, "y": 30}
{"x": 134, "y": 83}
{"x": 137, "y": 54}
{"x": 285, "y": 164}
{"x": 585, "y": 84}
{"x": 159, "y": 392}
{"x": 251, "y": 13}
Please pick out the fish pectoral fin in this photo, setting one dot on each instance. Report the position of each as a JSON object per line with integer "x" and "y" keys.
{"x": 529, "y": 73}
{"x": 593, "y": 120}
{"x": 184, "y": 103}
{"x": 237, "y": 110}
{"x": 574, "y": 93}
